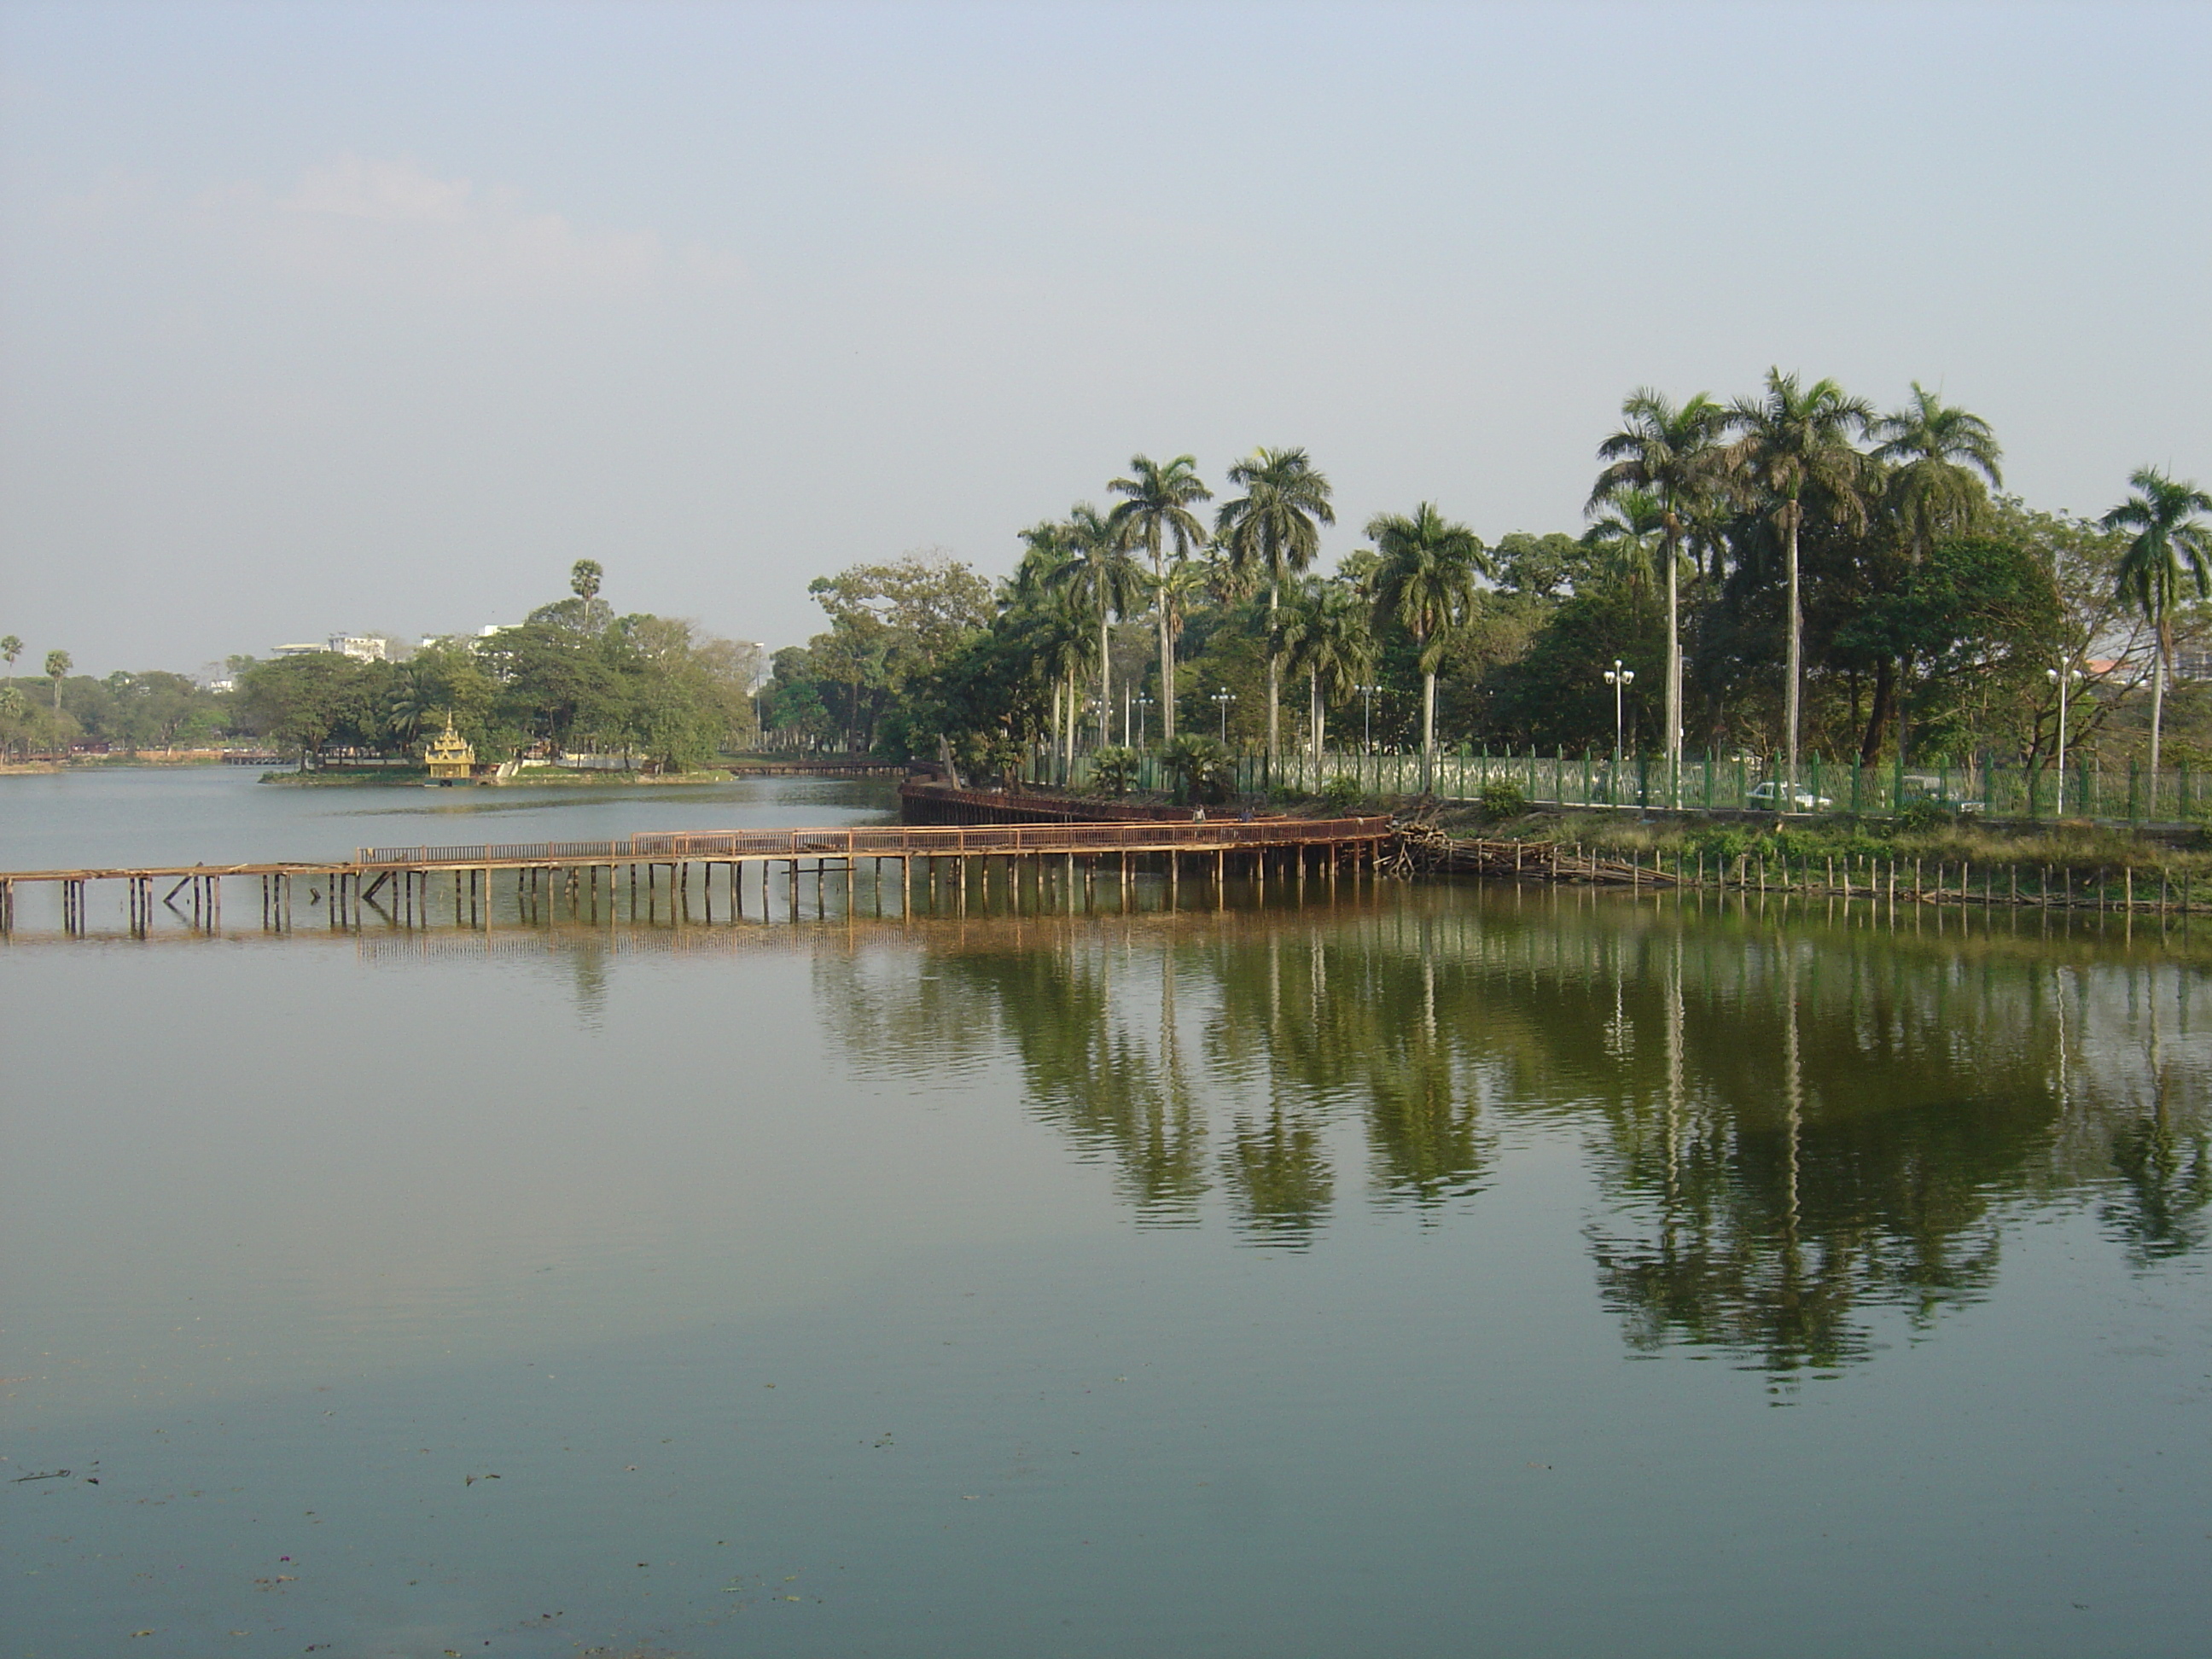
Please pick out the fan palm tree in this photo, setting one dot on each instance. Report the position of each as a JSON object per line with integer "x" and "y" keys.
{"x": 1943, "y": 461}
{"x": 10, "y": 649}
{"x": 1100, "y": 577}
{"x": 1326, "y": 634}
{"x": 1791, "y": 438}
{"x": 1272, "y": 533}
{"x": 2171, "y": 541}
{"x": 57, "y": 664}
{"x": 1156, "y": 512}
{"x": 1670, "y": 455}
{"x": 1425, "y": 579}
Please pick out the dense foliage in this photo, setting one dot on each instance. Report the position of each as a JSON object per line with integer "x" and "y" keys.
{"x": 1927, "y": 613}
{"x": 573, "y": 676}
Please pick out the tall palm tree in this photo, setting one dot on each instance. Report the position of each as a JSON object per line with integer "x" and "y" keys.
{"x": 1033, "y": 595}
{"x": 1942, "y": 461}
{"x": 1062, "y": 641}
{"x": 1425, "y": 579}
{"x": 1325, "y": 634}
{"x": 1100, "y": 577}
{"x": 1156, "y": 512}
{"x": 2171, "y": 541}
{"x": 1272, "y": 533}
{"x": 10, "y": 649}
{"x": 1791, "y": 438}
{"x": 1672, "y": 456}
{"x": 1937, "y": 464}
{"x": 57, "y": 664}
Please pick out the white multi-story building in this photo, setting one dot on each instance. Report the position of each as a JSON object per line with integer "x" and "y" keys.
{"x": 361, "y": 647}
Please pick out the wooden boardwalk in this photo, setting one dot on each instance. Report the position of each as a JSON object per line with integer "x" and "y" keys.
{"x": 1291, "y": 848}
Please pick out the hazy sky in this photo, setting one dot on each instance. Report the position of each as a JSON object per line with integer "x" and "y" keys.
{"x": 321, "y": 317}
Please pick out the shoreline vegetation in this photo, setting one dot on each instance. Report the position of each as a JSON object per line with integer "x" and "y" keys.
{"x": 415, "y": 777}
{"x": 2070, "y": 863}
{"x": 1781, "y": 591}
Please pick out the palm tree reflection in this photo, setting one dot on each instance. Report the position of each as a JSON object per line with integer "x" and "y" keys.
{"x": 1795, "y": 1131}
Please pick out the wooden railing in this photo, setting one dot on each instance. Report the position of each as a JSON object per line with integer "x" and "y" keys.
{"x": 893, "y": 840}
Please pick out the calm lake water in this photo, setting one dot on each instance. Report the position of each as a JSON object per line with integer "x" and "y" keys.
{"x": 1439, "y": 1271}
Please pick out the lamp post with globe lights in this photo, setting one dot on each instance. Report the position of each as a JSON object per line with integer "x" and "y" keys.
{"x": 1619, "y": 679}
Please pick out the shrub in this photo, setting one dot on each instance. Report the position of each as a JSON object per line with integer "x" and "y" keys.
{"x": 1915, "y": 816}
{"x": 1202, "y": 769}
{"x": 1341, "y": 793}
{"x": 1113, "y": 771}
{"x": 1502, "y": 799}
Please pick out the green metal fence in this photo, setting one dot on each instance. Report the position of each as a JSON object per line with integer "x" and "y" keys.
{"x": 1558, "y": 778}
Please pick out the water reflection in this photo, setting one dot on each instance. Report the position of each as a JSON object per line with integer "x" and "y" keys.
{"x": 1792, "y": 1124}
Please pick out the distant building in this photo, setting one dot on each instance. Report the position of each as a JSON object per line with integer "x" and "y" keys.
{"x": 361, "y": 647}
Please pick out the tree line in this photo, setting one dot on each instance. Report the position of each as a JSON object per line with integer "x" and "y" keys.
{"x": 573, "y": 676}
{"x": 1790, "y": 571}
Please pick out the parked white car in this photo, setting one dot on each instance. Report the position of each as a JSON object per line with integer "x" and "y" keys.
{"x": 1768, "y": 795}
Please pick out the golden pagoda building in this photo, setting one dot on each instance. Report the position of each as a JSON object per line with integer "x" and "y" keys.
{"x": 449, "y": 757}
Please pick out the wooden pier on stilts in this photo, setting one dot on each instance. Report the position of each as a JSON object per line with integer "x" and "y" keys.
{"x": 407, "y": 887}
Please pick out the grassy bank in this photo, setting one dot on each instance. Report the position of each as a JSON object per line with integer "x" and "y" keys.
{"x": 2081, "y": 847}
{"x": 2078, "y": 847}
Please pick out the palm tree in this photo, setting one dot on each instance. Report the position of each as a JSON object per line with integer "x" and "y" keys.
{"x": 58, "y": 664}
{"x": 1058, "y": 631}
{"x": 1100, "y": 577}
{"x": 1157, "y": 512}
{"x": 1045, "y": 549}
{"x": 1672, "y": 457}
{"x": 1791, "y": 438}
{"x": 10, "y": 649}
{"x": 1426, "y": 580}
{"x": 2171, "y": 542}
{"x": 1938, "y": 465}
{"x": 1325, "y": 633}
{"x": 1272, "y": 531}
{"x": 1063, "y": 641}
{"x": 1629, "y": 530}
{"x": 1942, "y": 463}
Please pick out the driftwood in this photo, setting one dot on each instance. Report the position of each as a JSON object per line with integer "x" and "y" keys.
{"x": 1418, "y": 846}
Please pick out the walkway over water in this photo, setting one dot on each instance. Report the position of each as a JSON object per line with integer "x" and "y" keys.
{"x": 1294, "y": 846}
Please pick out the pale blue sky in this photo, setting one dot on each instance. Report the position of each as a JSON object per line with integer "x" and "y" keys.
{"x": 324, "y": 317}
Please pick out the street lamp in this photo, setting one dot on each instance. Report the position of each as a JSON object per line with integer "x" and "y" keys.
{"x": 1619, "y": 679}
{"x": 1222, "y": 698}
{"x": 1367, "y": 728}
{"x": 1143, "y": 703}
{"x": 2062, "y": 678}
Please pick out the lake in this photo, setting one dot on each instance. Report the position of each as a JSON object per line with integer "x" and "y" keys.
{"x": 1431, "y": 1269}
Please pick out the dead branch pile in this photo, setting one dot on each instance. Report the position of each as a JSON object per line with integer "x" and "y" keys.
{"x": 1418, "y": 846}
